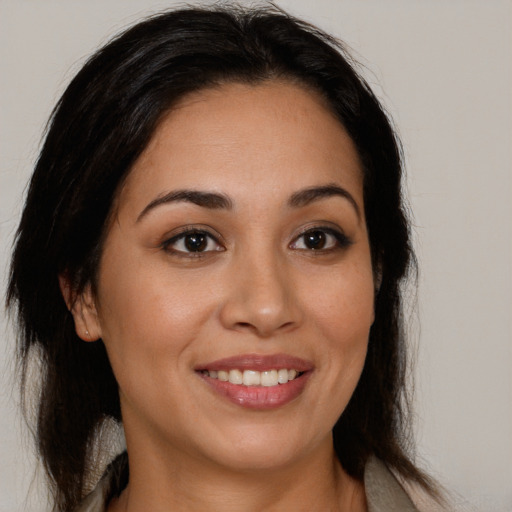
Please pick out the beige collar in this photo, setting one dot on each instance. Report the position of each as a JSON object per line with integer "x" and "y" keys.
{"x": 383, "y": 492}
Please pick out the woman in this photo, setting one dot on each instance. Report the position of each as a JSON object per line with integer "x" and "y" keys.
{"x": 211, "y": 254}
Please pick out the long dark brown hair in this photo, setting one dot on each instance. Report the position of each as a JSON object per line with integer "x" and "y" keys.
{"x": 99, "y": 127}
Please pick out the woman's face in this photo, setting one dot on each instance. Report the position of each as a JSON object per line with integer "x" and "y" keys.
{"x": 239, "y": 251}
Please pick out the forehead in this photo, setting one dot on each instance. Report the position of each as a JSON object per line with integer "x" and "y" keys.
{"x": 243, "y": 139}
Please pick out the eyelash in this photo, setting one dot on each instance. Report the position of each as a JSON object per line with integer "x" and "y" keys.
{"x": 168, "y": 244}
{"x": 340, "y": 239}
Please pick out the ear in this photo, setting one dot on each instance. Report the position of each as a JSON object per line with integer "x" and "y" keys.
{"x": 83, "y": 308}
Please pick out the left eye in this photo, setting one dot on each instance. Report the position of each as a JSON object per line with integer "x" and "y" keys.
{"x": 319, "y": 239}
{"x": 193, "y": 242}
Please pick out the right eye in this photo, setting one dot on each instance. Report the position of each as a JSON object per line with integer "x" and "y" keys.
{"x": 321, "y": 239}
{"x": 193, "y": 241}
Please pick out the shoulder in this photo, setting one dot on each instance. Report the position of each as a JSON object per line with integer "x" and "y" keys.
{"x": 97, "y": 499}
{"x": 112, "y": 482}
{"x": 386, "y": 491}
{"x": 383, "y": 491}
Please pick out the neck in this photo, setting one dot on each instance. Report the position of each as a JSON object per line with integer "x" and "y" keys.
{"x": 164, "y": 481}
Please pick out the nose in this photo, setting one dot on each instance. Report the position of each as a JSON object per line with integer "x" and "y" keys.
{"x": 262, "y": 297}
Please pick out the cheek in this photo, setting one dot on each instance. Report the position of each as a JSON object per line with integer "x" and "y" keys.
{"x": 343, "y": 312}
{"x": 150, "y": 328}
{"x": 344, "y": 305}
{"x": 145, "y": 313}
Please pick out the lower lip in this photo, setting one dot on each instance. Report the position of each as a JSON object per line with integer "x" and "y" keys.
{"x": 259, "y": 397}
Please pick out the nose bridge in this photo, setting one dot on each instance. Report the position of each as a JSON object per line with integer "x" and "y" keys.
{"x": 261, "y": 297}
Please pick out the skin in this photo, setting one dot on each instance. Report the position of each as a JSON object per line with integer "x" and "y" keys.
{"x": 257, "y": 289}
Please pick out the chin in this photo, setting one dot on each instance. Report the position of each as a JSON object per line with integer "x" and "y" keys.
{"x": 269, "y": 447}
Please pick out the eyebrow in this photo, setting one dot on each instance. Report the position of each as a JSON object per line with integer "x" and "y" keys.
{"x": 209, "y": 200}
{"x": 309, "y": 195}
{"x": 216, "y": 201}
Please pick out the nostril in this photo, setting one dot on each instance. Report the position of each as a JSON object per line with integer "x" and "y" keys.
{"x": 244, "y": 325}
{"x": 262, "y": 330}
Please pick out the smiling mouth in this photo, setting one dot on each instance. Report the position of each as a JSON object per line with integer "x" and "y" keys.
{"x": 267, "y": 378}
{"x": 257, "y": 381}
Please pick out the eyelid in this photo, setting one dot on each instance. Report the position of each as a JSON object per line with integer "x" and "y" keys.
{"x": 180, "y": 233}
{"x": 343, "y": 241}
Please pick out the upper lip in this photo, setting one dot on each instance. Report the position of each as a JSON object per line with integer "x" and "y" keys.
{"x": 259, "y": 362}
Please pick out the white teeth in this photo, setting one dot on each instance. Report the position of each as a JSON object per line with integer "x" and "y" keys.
{"x": 235, "y": 377}
{"x": 282, "y": 376}
{"x": 269, "y": 378}
{"x": 251, "y": 378}
{"x": 266, "y": 378}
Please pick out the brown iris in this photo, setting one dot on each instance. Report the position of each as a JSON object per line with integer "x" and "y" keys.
{"x": 315, "y": 240}
{"x": 196, "y": 242}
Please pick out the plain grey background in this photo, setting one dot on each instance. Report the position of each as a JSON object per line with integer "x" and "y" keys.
{"x": 444, "y": 71}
